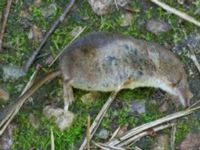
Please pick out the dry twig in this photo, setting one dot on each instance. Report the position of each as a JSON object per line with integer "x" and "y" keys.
{"x": 5, "y": 18}
{"x": 52, "y": 29}
{"x": 150, "y": 125}
{"x": 107, "y": 147}
{"x": 99, "y": 118}
{"x": 173, "y": 136}
{"x": 88, "y": 131}
{"x": 115, "y": 133}
{"x": 10, "y": 116}
{"x": 176, "y": 12}
{"x": 142, "y": 134}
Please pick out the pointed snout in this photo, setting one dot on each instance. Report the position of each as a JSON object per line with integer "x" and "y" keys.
{"x": 184, "y": 96}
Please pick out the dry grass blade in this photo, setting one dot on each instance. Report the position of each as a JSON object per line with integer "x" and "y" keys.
{"x": 99, "y": 118}
{"x": 137, "y": 148}
{"x": 88, "y": 131}
{"x": 152, "y": 124}
{"x": 115, "y": 133}
{"x": 176, "y": 12}
{"x": 67, "y": 46}
{"x": 107, "y": 147}
{"x": 14, "y": 112}
{"x": 5, "y": 18}
{"x": 194, "y": 59}
{"x": 142, "y": 134}
{"x": 52, "y": 29}
{"x": 52, "y": 140}
{"x": 173, "y": 137}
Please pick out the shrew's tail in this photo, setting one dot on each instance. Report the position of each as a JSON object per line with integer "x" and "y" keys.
{"x": 8, "y": 113}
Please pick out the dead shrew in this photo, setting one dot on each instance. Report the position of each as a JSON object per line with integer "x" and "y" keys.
{"x": 105, "y": 61}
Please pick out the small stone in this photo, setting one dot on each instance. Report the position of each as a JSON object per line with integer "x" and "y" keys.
{"x": 162, "y": 142}
{"x": 12, "y": 72}
{"x": 89, "y": 97}
{"x": 35, "y": 34}
{"x": 138, "y": 107}
{"x": 191, "y": 142}
{"x": 34, "y": 121}
{"x": 37, "y": 2}
{"x": 127, "y": 19}
{"x": 24, "y": 14}
{"x": 157, "y": 26}
{"x": 4, "y": 95}
{"x": 101, "y": 7}
{"x": 6, "y": 140}
{"x": 181, "y": 1}
{"x": 103, "y": 134}
{"x": 122, "y": 3}
{"x": 63, "y": 119}
{"x": 49, "y": 10}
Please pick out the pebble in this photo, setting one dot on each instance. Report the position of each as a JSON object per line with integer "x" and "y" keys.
{"x": 138, "y": 107}
{"x": 12, "y": 72}
{"x": 157, "y": 26}
{"x": 103, "y": 134}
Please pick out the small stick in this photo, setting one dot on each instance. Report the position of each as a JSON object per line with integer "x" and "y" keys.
{"x": 115, "y": 133}
{"x": 30, "y": 82}
{"x": 176, "y": 12}
{"x": 173, "y": 136}
{"x": 143, "y": 134}
{"x": 152, "y": 124}
{"x": 100, "y": 146}
{"x": 13, "y": 113}
{"x": 88, "y": 131}
{"x": 197, "y": 102}
{"x": 52, "y": 29}
{"x": 116, "y": 4}
{"x": 137, "y": 148}
{"x": 67, "y": 46}
{"x": 99, "y": 118}
{"x": 194, "y": 58}
{"x": 5, "y": 18}
{"x": 107, "y": 147}
{"x": 52, "y": 140}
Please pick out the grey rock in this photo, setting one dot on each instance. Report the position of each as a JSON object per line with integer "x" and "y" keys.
{"x": 12, "y": 72}
{"x": 191, "y": 142}
{"x": 138, "y": 107}
{"x": 127, "y": 19}
{"x": 162, "y": 142}
{"x": 6, "y": 140}
{"x": 102, "y": 7}
{"x": 157, "y": 26}
{"x": 49, "y": 10}
{"x": 103, "y": 134}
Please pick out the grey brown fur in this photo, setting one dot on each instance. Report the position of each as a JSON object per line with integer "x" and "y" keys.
{"x": 107, "y": 61}
{"x": 103, "y": 61}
